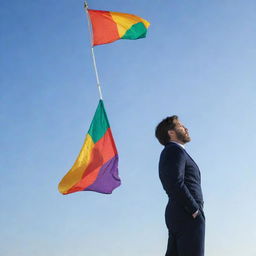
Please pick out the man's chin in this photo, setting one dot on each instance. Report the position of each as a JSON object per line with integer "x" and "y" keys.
{"x": 186, "y": 140}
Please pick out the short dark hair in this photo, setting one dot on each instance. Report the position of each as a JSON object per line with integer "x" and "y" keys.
{"x": 163, "y": 127}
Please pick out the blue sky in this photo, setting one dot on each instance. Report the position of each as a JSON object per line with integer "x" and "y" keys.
{"x": 198, "y": 61}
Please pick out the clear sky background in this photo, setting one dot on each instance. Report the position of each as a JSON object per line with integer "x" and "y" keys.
{"x": 198, "y": 61}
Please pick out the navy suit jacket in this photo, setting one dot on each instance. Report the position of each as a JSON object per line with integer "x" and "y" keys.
{"x": 181, "y": 179}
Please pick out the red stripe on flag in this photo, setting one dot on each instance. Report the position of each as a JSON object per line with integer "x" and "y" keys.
{"x": 104, "y": 28}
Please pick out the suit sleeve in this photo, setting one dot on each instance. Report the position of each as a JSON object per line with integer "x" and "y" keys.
{"x": 173, "y": 171}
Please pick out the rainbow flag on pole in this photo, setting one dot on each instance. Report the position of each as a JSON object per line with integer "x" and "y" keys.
{"x": 110, "y": 26}
{"x": 96, "y": 167}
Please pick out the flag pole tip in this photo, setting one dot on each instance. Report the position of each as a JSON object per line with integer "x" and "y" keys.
{"x": 85, "y": 5}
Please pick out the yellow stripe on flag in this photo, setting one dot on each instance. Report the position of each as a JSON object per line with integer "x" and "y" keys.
{"x": 77, "y": 171}
{"x": 124, "y": 21}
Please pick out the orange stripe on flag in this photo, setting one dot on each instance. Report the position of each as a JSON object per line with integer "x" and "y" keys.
{"x": 102, "y": 152}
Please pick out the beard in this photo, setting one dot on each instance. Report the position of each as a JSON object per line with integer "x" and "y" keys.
{"x": 182, "y": 136}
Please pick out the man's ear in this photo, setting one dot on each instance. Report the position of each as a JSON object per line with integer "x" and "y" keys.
{"x": 171, "y": 133}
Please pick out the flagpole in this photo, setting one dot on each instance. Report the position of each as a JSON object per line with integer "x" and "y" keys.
{"x": 92, "y": 50}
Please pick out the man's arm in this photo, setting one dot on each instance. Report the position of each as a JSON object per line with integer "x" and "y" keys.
{"x": 173, "y": 170}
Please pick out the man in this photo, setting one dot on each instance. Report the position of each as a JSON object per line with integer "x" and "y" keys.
{"x": 181, "y": 179}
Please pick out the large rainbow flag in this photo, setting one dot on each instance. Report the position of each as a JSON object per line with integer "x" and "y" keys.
{"x": 110, "y": 26}
{"x": 96, "y": 167}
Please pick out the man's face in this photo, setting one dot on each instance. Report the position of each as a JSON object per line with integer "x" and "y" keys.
{"x": 181, "y": 132}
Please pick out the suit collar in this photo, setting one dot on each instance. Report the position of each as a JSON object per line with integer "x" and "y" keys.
{"x": 175, "y": 143}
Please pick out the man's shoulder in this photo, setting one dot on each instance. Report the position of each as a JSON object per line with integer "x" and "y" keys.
{"x": 173, "y": 148}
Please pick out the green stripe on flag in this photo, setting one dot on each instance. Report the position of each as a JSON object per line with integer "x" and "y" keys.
{"x": 99, "y": 123}
{"x": 136, "y": 31}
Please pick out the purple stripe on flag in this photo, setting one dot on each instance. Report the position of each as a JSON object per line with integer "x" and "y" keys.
{"x": 107, "y": 179}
